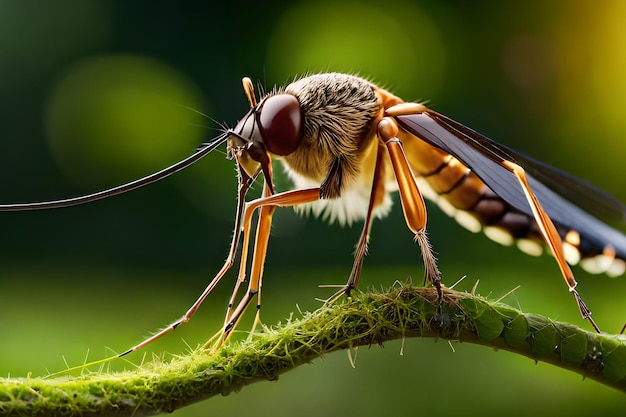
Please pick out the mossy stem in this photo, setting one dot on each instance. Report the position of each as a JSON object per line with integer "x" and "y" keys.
{"x": 366, "y": 319}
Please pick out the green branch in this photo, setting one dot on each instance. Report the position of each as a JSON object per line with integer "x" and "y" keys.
{"x": 366, "y": 319}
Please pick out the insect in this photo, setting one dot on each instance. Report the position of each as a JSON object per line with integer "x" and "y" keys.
{"x": 348, "y": 144}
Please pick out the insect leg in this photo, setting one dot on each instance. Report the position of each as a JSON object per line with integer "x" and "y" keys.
{"x": 256, "y": 274}
{"x": 267, "y": 204}
{"x": 260, "y": 251}
{"x": 412, "y": 201}
{"x": 241, "y": 278}
{"x": 552, "y": 238}
{"x": 376, "y": 195}
{"x": 245, "y": 181}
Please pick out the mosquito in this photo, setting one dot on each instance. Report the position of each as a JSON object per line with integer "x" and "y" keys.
{"x": 348, "y": 144}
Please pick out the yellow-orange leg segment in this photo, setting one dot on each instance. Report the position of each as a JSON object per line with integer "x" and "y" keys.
{"x": 256, "y": 273}
{"x": 267, "y": 204}
{"x": 254, "y": 287}
{"x": 245, "y": 181}
{"x": 412, "y": 201}
{"x": 551, "y": 237}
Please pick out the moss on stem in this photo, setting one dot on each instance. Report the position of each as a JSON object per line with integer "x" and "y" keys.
{"x": 366, "y": 319}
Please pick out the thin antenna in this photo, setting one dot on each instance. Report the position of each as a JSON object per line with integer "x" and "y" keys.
{"x": 202, "y": 151}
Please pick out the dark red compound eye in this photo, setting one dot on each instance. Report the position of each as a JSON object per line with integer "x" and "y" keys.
{"x": 280, "y": 122}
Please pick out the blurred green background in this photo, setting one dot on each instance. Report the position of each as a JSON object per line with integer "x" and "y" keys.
{"x": 93, "y": 94}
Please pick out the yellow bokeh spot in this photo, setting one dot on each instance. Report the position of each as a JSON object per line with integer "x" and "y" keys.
{"x": 394, "y": 44}
{"x": 590, "y": 57}
{"x": 117, "y": 117}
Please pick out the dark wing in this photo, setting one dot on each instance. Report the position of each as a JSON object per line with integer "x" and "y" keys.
{"x": 484, "y": 157}
{"x": 581, "y": 193}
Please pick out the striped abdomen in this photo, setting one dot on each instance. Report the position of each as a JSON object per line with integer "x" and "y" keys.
{"x": 465, "y": 197}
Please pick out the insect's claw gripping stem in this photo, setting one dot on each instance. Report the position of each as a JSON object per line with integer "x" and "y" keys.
{"x": 345, "y": 290}
{"x": 431, "y": 271}
{"x": 434, "y": 278}
{"x": 584, "y": 310}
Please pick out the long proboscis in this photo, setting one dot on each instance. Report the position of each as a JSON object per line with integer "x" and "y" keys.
{"x": 202, "y": 151}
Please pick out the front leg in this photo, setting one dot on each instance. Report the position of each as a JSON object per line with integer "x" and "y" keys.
{"x": 266, "y": 204}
